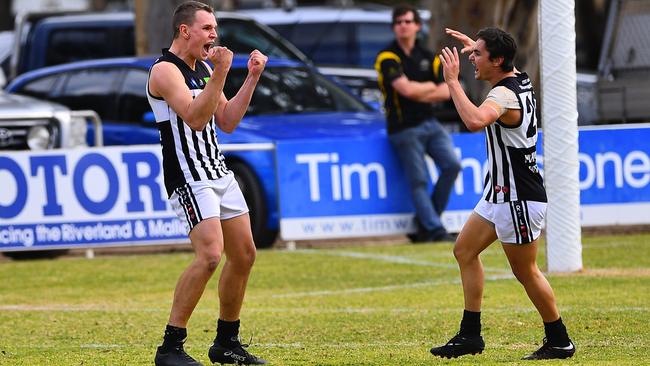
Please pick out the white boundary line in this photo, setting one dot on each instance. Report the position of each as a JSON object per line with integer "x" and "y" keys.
{"x": 390, "y": 259}
{"x": 383, "y": 288}
{"x": 100, "y": 346}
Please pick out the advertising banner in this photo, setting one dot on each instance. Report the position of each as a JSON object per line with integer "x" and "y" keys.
{"x": 341, "y": 188}
{"x": 85, "y": 198}
{"x": 614, "y": 175}
{"x": 326, "y": 189}
{"x": 348, "y": 188}
{"x": 353, "y": 188}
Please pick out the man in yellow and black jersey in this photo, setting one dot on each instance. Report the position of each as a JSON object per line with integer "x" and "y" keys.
{"x": 411, "y": 80}
{"x": 419, "y": 83}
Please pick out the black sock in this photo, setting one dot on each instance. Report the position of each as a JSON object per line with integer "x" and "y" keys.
{"x": 173, "y": 337}
{"x": 556, "y": 334}
{"x": 471, "y": 323}
{"x": 227, "y": 333}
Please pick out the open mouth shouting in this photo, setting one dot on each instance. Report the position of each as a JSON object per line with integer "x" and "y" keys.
{"x": 476, "y": 71}
{"x": 208, "y": 45}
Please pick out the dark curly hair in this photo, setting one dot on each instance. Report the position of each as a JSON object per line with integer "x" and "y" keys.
{"x": 500, "y": 44}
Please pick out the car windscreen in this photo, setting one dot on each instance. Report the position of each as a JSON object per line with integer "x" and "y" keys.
{"x": 6, "y": 48}
{"x": 341, "y": 43}
{"x": 76, "y": 44}
{"x": 242, "y": 36}
{"x": 324, "y": 43}
{"x": 288, "y": 90}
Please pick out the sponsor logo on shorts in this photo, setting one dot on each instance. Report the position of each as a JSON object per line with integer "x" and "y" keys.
{"x": 187, "y": 203}
{"x": 520, "y": 216}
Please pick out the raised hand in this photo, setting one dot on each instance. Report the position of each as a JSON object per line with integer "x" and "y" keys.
{"x": 468, "y": 43}
{"x": 257, "y": 62}
{"x": 221, "y": 58}
{"x": 450, "y": 64}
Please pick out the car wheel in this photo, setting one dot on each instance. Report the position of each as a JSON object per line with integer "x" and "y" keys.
{"x": 254, "y": 195}
{"x": 36, "y": 254}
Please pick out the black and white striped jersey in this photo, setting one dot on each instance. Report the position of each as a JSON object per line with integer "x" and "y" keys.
{"x": 513, "y": 173}
{"x": 188, "y": 155}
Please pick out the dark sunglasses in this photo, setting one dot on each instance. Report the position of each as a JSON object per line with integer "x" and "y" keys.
{"x": 406, "y": 21}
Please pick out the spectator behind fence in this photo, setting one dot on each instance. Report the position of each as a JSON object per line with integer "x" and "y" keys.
{"x": 410, "y": 78}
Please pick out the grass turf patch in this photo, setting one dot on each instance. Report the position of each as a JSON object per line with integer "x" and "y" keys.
{"x": 382, "y": 305}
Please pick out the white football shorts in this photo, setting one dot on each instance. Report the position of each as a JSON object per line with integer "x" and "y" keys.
{"x": 516, "y": 222}
{"x": 197, "y": 201}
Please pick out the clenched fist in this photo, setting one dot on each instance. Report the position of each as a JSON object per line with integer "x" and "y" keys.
{"x": 257, "y": 62}
{"x": 221, "y": 58}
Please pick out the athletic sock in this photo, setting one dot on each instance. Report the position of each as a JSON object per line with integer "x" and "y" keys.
{"x": 471, "y": 323}
{"x": 556, "y": 334}
{"x": 173, "y": 337}
{"x": 227, "y": 333}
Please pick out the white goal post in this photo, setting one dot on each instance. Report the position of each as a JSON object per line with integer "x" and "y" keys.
{"x": 560, "y": 128}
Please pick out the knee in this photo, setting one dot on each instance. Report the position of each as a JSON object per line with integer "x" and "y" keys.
{"x": 456, "y": 167}
{"x": 246, "y": 257}
{"x": 419, "y": 183}
{"x": 210, "y": 261}
{"x": 463, "y": 255}
{"x": 525, "y": 274}
{"x": 250, "y": 254}
{"x": 451, "y": 168}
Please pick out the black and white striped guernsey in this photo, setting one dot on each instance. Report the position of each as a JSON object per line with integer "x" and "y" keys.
{"x": 513, "y": 174}
{"x": 188, "y": 155}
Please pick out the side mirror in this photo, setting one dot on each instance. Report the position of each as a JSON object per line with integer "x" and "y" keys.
{"x": 148, "y": 118}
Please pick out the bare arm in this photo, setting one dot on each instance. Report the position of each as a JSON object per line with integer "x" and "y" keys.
{"x": 166, "y": 81}
{"x": 441, "y": 94}
{"x": 475, "y": 118}
{"x": 230, "y": 112}
{"x": 425, "y": 92}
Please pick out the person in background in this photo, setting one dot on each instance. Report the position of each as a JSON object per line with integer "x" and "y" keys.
{"x": 188, "y": 102}
{"x": 410, "y": 79}
{"x": 514, "y": 201}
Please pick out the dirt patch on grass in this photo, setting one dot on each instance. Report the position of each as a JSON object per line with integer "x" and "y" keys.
{"x": 609, "y": 272}
{"x": 615, "y": 230}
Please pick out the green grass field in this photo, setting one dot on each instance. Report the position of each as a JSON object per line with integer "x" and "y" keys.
{"x": 370, "y": 305}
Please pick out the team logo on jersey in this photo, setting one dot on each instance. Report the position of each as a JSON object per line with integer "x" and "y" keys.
{"x": 392, "y": 71}
{"x": 424, "y": 65}
{"x": 504, "y": 189}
